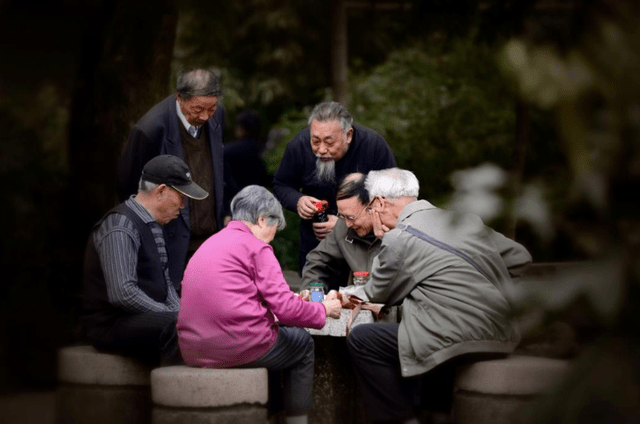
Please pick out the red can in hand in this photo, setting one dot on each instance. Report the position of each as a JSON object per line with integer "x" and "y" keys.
{"x": 321, "y": 215}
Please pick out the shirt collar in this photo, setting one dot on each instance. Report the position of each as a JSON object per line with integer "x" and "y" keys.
{"x": 184, "y": 121}
{"x": 140, "y": 210}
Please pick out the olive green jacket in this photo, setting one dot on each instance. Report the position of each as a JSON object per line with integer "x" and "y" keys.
{"x": 341, "y": 252}
{"x": 450, "y": 307}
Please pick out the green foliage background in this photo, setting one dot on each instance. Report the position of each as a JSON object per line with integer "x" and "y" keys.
{"x": 442, "y": 106}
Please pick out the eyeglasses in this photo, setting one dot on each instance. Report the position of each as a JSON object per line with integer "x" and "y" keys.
{"x": 354, "y": 218}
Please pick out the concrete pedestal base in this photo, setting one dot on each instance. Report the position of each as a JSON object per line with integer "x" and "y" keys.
{"x": 101, "y": 388}
{"x": 336, "y": 398}
{"x": 78, "y": 404}
{"x": 186, "y": 395}
{"x": 501, "y": 391}
{"x": 240, "y": 414}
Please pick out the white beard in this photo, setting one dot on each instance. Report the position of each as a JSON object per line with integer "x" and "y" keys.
{"x": 325, "y": 170}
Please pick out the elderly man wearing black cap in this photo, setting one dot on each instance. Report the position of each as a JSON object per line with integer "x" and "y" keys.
{"x": 130, "y": 303}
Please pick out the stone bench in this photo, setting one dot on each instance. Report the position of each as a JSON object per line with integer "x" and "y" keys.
{"x": 212, "y": 396}
{"x": 94, "y": 386}
{"x": 499, "y": 391}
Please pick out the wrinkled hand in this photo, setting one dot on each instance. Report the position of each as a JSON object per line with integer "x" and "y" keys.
{"x": 321, "y": 229}
{"x": 306, "y": 207}
{"x": 333, "y": 294}
{"x": 333, "y": 307}
{"x": 304, "y": 295}
{"x": 379, "y": 229}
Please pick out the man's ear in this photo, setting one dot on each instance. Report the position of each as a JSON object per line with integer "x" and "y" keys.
{"x": 349, "y": 135}
{"x": 377, "y": 204}
{"x": 160, "y": 189}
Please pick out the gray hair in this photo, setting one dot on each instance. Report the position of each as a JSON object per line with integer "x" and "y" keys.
{"x": 392, "y": 183}
{"x": 255, "y": 201}
{"x": 329, "y": 111}
{"x": 146, "y": 186}
{"x": 197, "y": 82}
{"x": 352, "y": 185}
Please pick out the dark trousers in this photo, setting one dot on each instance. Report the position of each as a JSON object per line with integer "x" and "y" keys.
{"x": 293, "y": 354}
{"x": 150, "y": 337}
{"x": 387, "y": 396}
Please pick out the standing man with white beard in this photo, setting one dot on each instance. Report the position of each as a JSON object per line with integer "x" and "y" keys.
{"x": 317, "y": 158}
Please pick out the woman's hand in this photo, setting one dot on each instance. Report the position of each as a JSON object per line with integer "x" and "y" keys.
{"x": 333, "y": 307}
{"x": 304, "y": 295}
{"x": 333, "y": 294}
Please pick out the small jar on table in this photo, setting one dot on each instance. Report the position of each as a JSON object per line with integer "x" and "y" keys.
{"x": 360, "y": 278}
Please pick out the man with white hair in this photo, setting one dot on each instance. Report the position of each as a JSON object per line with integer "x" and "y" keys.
{"x": 316, "y": 159}
{"x": 450, "y": 273}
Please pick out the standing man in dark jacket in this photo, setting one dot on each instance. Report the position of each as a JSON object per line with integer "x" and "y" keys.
{"x": 450, "y": 273}
{"x": 317, "y": 158}
{"x": 188, "y": 125}
{"x": 130, "y": 303}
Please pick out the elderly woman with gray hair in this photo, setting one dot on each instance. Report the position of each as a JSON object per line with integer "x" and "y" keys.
{"x": 232, "y": 292}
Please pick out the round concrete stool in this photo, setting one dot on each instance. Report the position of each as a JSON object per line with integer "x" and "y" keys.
{"x": 184, "y": 394}
{"x": 101, "y": 387}
{"x": 86, "y": 365}
{"x": 499, "y": 391}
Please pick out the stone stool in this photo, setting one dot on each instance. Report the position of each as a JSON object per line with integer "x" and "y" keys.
{"x": 96, "y": 387}
{"x": 183, "y": 394}
{"x": 500, "y": 391}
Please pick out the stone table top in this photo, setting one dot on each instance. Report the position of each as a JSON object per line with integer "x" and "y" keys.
{"x": 338, "y": 327}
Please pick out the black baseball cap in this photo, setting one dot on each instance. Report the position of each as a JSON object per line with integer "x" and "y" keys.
{"x": 172, "y": 171}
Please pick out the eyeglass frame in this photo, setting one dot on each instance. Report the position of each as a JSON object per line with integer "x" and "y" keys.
{"x": 355, "y": 218}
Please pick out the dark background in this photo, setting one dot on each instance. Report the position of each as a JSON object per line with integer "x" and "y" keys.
{"x": 76, "y": 75}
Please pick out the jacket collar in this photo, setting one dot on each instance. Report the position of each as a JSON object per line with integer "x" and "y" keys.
{"x": 413, "y": 207}
{"x": 238, "y": 225}
{"x": 173, "y": 135}
{"x": 174, "y": 131}
{"x": 350, "y": 235}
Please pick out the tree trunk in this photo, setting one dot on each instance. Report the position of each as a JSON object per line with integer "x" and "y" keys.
{"x": 523, "y": 128}
{"x": 339, "y": 66}
{"x": 125, "y": 68}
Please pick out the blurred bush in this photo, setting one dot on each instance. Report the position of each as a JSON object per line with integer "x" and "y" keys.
{"x": 441, "y": 107}
{"x": 592, "y": 90}
{"x": 446, "y": 106}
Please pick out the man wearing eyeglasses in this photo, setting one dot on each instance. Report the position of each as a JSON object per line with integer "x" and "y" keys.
{"x": 450, "y": 273}
{"x": 351, "y": 246}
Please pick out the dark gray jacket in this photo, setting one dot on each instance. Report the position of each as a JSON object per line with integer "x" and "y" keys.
{"x": 341, "y": 252}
